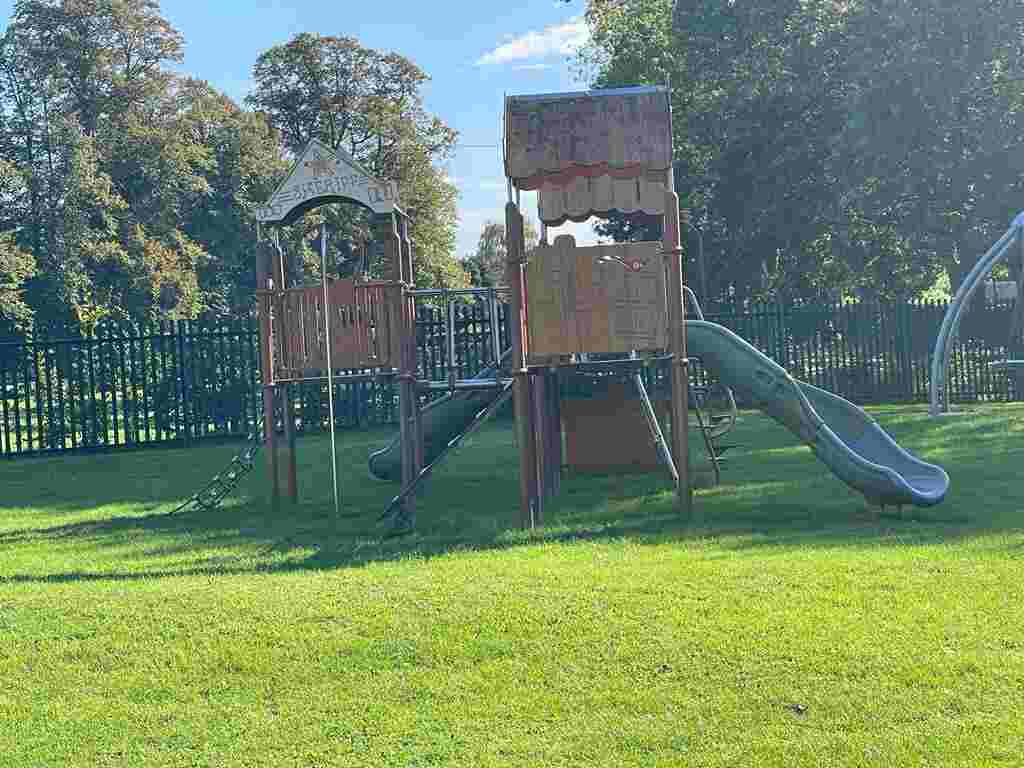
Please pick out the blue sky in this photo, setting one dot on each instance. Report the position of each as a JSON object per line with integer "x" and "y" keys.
{"x": 475, "y": 52}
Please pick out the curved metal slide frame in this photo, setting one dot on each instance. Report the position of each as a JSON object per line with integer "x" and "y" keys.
{"x": 938, "y": 402}
{"x": 845, "y": 438}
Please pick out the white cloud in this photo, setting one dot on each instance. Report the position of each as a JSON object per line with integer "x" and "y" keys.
{"x": 559, "y": 39}
{"x": 531, "y": 67}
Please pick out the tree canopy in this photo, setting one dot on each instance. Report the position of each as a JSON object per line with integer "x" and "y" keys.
{"x": 486, "y": 266}
{"x": 824, "y": 146}
{"x": 128, "y": 192}
{"x": 369, "y": 104}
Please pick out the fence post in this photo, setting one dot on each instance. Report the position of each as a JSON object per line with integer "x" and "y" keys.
{"x": 180, "y": 339}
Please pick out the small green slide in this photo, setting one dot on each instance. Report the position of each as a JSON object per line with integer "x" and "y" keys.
{"x": 441, "y": 421}
{"x": 845, "y": 438}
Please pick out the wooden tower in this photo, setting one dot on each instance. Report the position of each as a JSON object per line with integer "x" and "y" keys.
{"x": 343, "y": 329}
{"x": 589, "y": 154}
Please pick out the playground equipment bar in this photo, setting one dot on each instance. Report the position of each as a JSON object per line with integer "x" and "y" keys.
{"x": 938, "y": 401}
{"x": 428, "y": 292}
{"x": 492, "y": 303}
{"x": 327, "y": 346}
{"x": 424, "y": 473}
{"x": 655, "y": 427}
{"x": 465, "y": 384}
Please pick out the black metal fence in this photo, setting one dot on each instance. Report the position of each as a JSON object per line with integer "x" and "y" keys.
{"x": 181, "y": 382}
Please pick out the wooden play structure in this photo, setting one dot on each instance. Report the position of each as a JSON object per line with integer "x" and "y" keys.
{"x": 592, "y": 327}
{"x": 603, "y": 310}
{"x": 344, "y": 330}
{"x": 588, "y": 154}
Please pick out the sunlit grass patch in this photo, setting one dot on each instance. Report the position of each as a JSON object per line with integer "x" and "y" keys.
{"x": 788, "y": 625}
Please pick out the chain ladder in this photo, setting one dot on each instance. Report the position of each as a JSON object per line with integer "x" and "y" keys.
{"x": 224, "y": 482}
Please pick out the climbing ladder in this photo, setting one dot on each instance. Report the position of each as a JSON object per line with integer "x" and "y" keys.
{"x": 224, "y": 482}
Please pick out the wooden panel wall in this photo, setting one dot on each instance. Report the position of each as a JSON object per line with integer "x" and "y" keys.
{"x": 361, "y": 328}
{"x": 609, "y": 434}
{"x": 598, "y": 299}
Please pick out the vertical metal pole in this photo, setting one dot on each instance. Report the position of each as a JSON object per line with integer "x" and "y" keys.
{"x": 495, "y": 331}
{"x": 677, "y": 346}
{"x": 330, "y": 371}
{"x": 450, "y": 333}
{"x": 703, "y": 271}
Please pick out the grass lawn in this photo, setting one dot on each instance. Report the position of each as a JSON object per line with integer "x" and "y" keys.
{"x": 790, "y": 628}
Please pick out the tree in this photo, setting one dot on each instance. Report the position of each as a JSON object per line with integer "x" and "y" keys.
{"x": 139, "y": 187}
{"x": 933, "y": 143}
{"x": 81, "y": 82}
{"x": 16, "y": 268}
{"x": 822, "y": 145}
{"x": 107, "y": 54}
{"x": 369, "y": 104}
{"x": 486, "y": 267}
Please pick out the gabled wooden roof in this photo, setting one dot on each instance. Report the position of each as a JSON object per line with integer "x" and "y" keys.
{"x": 554, "y": 138}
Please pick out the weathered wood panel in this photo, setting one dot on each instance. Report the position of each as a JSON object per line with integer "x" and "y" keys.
{"x": 361, "y": 328}
{"x": 601, "y": 299}
{"x": 609, "y": 434}
{"x": 624, "y": 128}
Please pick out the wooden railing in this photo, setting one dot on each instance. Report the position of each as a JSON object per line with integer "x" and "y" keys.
{"x": 364, "y": 328}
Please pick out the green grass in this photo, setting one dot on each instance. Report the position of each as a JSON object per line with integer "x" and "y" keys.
{"x": 792, "y": 627}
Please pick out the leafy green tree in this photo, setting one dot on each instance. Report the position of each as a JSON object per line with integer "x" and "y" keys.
{"x": 369, "y": 104}
{"x": 16, "y": 267}
{"x": 862, "y": 146}
{"x": 486, "y": 267}
{"x": 139, "y": 186}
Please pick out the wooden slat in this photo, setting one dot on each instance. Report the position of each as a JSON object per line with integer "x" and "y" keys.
{"x": 597, "y": 299}
{"x": 581, "y": 197}
{"x": 362, "y": 328}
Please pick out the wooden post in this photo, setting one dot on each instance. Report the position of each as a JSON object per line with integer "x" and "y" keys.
{"x": 677, "y": 347}
{"x": 556, "y": 434}
{"x": 540, "y": 440}
{"x": 516, "y": 253}
{"x": 265, "y": 304}
{"x": 406, "y": 383}
{"x": 287, "y": 444}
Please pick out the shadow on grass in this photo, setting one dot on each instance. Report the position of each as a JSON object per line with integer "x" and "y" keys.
{"x": 774, "y": 496}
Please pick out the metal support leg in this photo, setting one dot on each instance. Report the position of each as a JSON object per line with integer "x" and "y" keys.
{"x": 655, "y": 427}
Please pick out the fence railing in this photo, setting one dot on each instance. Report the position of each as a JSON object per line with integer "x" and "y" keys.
{"x": 183, "y": 381}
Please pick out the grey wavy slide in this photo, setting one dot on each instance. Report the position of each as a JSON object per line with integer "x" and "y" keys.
{"x": 845, "y": 438}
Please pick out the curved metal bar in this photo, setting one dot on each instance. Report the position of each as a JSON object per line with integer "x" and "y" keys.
{"x": 938, "y": 402}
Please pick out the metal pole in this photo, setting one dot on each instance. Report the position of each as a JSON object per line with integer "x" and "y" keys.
{"x": 495, "y": 334}
{"x": 702, "y": 273}
{"x": 478, "y": 420}
{"x": 330, "y": 371}
{"x": 450, "y": 334}
{"x": 700, "y": 265}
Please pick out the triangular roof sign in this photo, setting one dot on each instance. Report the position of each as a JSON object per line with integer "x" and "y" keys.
{"x": 322, "y": 175}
